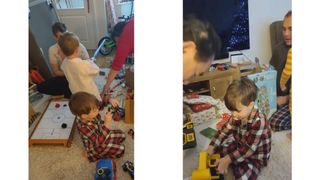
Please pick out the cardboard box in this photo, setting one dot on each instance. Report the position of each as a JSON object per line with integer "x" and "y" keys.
{"x": 129, "y": 111}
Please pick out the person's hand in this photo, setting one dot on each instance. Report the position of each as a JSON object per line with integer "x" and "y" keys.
{"x": 283, "y": 88}
{"x": 282, "y": 100}
{"x": 210, "y": 150}
{"x": 105, "y": 98}
{"x": 114, "y": 102}
{"x": 106, "y": 89}
{"x": 223, "y": 164}
{"x": 107, "y": 119}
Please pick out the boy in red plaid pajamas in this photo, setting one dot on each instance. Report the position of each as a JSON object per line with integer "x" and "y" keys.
{"x": 99, "y": 141}
{"x": 244, "y": 142}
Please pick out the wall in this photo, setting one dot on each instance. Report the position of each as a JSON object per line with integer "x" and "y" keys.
{"x": 261, "y": 14}
{"x": 101, "y": 19}
{"x": 41, "y": 19}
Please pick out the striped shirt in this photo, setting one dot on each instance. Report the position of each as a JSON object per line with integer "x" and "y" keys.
{"x": 286, "y": 74}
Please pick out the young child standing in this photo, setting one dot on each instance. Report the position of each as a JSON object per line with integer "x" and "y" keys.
{"x": 79, "y": 73}
{"x": 58, "y": 85}
{"x": 98, "y": 140}
{"x": 244, "y": 142}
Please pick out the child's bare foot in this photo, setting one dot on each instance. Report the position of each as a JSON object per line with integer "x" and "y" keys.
{"x": 84, "y": 153}
{"x": 289, "y": 136}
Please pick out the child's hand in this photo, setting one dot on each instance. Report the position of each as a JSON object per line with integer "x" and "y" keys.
{"x": 107, "y": 119}
{"x": 223, "y": 164}
{"x": 114, "y": 102}
{"x": 210, "y": 150}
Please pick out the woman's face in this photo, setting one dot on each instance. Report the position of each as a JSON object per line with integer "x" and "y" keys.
{"x": 57, "y": 36}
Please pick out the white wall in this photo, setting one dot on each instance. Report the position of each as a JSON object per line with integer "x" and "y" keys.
{"x": 100, "y": 18}
{"x": 261, "y": 14}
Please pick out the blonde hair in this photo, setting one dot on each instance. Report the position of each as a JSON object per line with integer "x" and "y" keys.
{"x": 68, "y": 43}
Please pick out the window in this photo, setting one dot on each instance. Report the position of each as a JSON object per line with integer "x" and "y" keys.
{"x": 69, "y": 4}
{"x": 124, "y": 1}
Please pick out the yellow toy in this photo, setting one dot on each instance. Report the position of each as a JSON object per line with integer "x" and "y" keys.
{"x": 189, "y": 138}
{"x": 206, "y": 169}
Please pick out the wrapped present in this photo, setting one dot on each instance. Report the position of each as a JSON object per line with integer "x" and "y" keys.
{"x": 200, "y": 107}
{"x": 203, "y": 108}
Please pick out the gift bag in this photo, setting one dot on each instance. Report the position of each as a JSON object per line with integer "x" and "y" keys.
{"x": 267, "y": 94}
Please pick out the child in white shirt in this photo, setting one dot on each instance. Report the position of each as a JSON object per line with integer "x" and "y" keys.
{"x": 79, "y": 73}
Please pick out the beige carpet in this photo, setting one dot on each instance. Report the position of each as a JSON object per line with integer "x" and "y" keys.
{"x": 279, "y": 167}
{"x": 48, "y": 162}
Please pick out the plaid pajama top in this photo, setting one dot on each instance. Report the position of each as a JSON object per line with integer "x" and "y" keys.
{"x": 94, "y": 136}
{"x": 253, "y": 138}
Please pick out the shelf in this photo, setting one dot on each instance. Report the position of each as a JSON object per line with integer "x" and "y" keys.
{"x": 213, "y": 83}
{"x": 203, "y": 91}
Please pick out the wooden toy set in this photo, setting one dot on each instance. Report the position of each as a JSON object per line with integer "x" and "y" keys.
{"x": 56, "y": 125}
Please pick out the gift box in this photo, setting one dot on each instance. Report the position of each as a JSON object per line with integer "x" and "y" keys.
{"x": 129, "y": 108}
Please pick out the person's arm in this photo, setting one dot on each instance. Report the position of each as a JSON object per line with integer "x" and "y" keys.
{"x": 112, "y": 74}
{"x": 84, "y": 53}
{"x": 93, "y": 137}
{"x": 56, "y": 70}
{"x": 286, "y": 73}
{"x": 253, "y": 140}
{"x": 226, "y": 130}
{"x": 54, "y": 62}
{"x": 91, "y": 68}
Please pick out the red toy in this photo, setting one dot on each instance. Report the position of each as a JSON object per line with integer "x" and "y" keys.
{"x": 57, "y": 105}
{"x": 224, "y": 119}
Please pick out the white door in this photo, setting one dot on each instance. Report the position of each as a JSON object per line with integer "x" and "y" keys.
{"x": 81, "y": 17}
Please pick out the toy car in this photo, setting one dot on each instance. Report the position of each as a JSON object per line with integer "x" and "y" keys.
{"x": 105, "y": 170}
{"x": 128, "y": 167}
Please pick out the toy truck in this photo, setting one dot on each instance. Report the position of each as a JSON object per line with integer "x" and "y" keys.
{"x": 207, "y": 169}
{"x": 105, "y": 170}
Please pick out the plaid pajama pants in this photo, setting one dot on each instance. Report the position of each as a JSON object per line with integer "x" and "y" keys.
{"x": 281, "y": 119}
{"x": 113, "y": 148}
{"x": 245, "y": 170}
